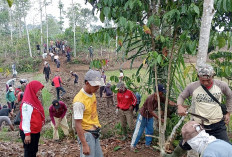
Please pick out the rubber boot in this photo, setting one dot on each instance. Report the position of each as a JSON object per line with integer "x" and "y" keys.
{"x": 178, "y": 152}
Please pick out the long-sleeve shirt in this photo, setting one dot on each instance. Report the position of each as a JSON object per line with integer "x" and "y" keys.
{"x": 205, "y": 106}
{"x": 126, "y": 100}
{"x": 57, "y": 81}
{"x": 47, "y": 70}
{"x": 60, "y": 113}
{"x": 10, "y": 97}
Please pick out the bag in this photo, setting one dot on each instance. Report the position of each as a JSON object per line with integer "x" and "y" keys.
{"x": 223, "y": 106}
{"x": 95, "y": 133}
{"x": 17, "y": 119}
{"x": 52, "y": 83}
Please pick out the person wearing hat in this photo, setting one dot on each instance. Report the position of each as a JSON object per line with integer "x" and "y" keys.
{"x": 23, "y": 83}
{"x": 205, "y": 106}
{"x": 126, "y": 103}
{"x": 203, "y": 143}
{"x": 109, "y": 95}
{"x": 86, "y": 117}
{"x": 10, "y": 83}
{"x": 145, "y": 118}
{"x": 10, "y": 98}
{"x": 57, "y": 113}
{"x": 103, "y": 77}
{"x": 76, "y": 77}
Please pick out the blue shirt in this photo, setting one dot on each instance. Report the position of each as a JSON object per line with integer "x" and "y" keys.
{"x": 218, "y": 148}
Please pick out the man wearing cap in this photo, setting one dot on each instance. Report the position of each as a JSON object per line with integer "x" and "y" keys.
{"x": 205, "y": 106}
{"x": 126, "y": 103}
{"x": 86, "y": 117}
{"x": 145, "y": 117}
{"x": 57, "y": 112}
{"x": 24, "y": 83}
{"x": 10, "y": 98}
{"x": 203, "y": 143}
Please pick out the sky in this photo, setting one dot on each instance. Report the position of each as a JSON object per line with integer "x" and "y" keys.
{"x": 33, "y": 16}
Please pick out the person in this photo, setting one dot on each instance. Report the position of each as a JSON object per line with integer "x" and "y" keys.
{"x": 57, "y": 83}
{"x": 5, "y": 111}
{"x": 23, "y": 83}
{"x": 205, "y": 106}
{"x": 56, "y": 57}
{"x": 121, "y": 75}
{"x": 14, "y": 70}
{"x": 57, "y": 113}
{"x": 86, "y": 117}
{"x": 76, "y": 77}
{"x": 17, "y": 90}
{"x": 68, "y": 56}
{"x": 7, "y": 120}
{"x": 32, "y": 118}
{"x": 103, "y": 77}
{"x": 145, "y": 117}
{"x": 10, "y": 98}
{"x": 38, "y": 49}
{"x": 126, "y": 102}
{"x": 10, "y": 83}
{"x": 109, "y": 95}
{"x": 207, "y": 145}
{"x": 58, "y": 65}
{"x": 52, "y": 56}
{"x": 44, "y": 55}
{"x": 90, "y": 52}
{"x": 46, "y": 72}
{"x": 138, "y": 97}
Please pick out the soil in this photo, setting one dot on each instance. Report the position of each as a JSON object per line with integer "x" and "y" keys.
{"x": 68, "y": 146}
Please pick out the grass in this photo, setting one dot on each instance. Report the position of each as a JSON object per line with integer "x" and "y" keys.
{"x": 47, "y": 97}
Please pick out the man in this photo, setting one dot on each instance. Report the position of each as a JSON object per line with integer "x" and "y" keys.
{"x": 126, "y": 103}
{"x": 145, "y": 117}
{"x": 76, "y": 77}
{"x": 90, "y": 52}
{"x": 57, "y": 83}
{"x": 24, "y": 83}
{"x": 57, "y": 112}
{"x": 10, "y": 83}
{"x": 205, "y": 144}
{"x": 7, "y": 120}
{"x": 109, "y": 95}
{"x": 38, "y": 49}
{"x": 14, "y": 70}
{"x": 6, "y": 111}
{"x": 10, "y": 98}
{"x": 86, "y": 117}
{"x": 205, "y": 106}
{"x": 46, "y": 72}
{"x": 103, "y": 77}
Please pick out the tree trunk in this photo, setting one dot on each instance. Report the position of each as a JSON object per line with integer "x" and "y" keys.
{"x": 46, "y": 23}
{"x": 41, "y": 25}
{"x": 74, "y": 31}
{"x": 208, "y": 13}
{"x": 11, "y": 34}
{"x": 28, "y": 37}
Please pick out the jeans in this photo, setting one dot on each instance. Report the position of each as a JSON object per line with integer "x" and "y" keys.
{"x": 11, "y": 105}
{"x": 101, "y": 90}
{"x": 58, "y": 89}
{"x": 94, "y": 145}
{"x": 31, "y": 149}
{"x": 217, "y": 130}
{"x": 46, "y": 77}
{"x": 141, "y": 124}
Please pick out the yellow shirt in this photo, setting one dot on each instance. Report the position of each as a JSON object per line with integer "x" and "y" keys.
{"x": 90, "y": 115}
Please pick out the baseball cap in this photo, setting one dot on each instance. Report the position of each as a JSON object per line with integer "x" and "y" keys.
{"x": 161, "y": 88}
{"x": 94, "y": 78}
{"x": 23, "y": 81}
{"x": 11, "y": 89}
{"x": 190, "y": 130}
{"x": 205, "y": 70}
{"x": 56, "y": 104}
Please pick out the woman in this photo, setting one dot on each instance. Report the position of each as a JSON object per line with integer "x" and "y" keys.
{"x": 32, "y": 118}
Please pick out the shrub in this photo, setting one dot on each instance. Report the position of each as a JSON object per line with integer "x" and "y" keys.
{"x": 28, "y": 64}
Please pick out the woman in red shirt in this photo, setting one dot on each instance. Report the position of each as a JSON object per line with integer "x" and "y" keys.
{"x": 32, "y": 118}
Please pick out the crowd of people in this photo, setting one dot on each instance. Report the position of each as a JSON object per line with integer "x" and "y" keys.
{"x": 202, "y": 137}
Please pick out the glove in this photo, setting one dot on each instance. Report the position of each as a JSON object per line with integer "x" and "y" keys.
{"x": 116, "y": 111}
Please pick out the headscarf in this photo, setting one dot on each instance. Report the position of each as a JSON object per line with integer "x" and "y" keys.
{"x": 30, "y": 97}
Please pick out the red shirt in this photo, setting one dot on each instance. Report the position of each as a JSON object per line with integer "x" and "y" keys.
{"x": 126, "y": 99}
{"x": 57, "y": 81}
{"x": 60, "y": 113}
